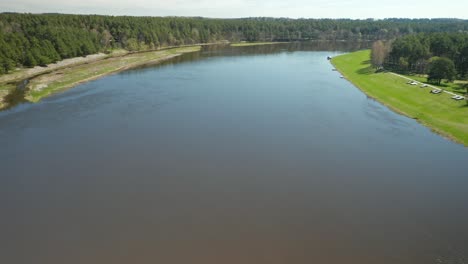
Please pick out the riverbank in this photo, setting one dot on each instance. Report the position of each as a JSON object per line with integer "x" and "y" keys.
{"x": 246, "y": 44}
{"x": 440, "y": 113}
{"x": 8, "y": 82}
{"x": 44, "y": 81}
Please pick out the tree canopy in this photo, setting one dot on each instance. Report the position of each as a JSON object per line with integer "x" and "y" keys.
{"x": 441, "y": 68}
{"x": 413, "y": 53}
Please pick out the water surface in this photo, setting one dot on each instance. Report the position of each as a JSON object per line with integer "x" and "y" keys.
{"x": 234, "y": 155}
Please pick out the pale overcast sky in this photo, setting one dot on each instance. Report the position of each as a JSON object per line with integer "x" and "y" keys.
{"x": 248, "y": 8}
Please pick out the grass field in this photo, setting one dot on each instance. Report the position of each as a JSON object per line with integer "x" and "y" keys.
{"x": 455, "y": 87}
{"x": 439, "y": 112}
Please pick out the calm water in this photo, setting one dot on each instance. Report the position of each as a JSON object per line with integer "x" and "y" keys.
{"x": 246, "y": 155}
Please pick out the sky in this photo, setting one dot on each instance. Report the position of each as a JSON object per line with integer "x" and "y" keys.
{"x": 354, "y": 9}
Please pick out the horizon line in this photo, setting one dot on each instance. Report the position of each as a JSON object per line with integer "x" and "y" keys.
{"x": 208, "y": 17}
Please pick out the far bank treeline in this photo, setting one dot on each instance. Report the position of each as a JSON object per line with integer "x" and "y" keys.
{"x": 440, "y": 55}
{"x": 38, "y": 39}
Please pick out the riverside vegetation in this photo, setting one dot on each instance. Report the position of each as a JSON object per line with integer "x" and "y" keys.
{"x": 440, "y": 55}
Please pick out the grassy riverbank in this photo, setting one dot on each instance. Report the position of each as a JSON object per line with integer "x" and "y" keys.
{"x": 54, "y": 78}
{"x": 439, "y": 112}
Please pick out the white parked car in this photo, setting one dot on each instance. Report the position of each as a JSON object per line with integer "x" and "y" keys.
{"x": 458, "y": 97}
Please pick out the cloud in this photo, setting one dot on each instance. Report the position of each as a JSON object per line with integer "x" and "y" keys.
{"x": 246, "y": 8}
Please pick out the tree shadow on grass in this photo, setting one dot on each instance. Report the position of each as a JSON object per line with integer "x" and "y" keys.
{"x": 440, "y": 85}
{"x": 460, "y": 87}
{"x": 366, "y": 71}
{"x": 365, "y": 62}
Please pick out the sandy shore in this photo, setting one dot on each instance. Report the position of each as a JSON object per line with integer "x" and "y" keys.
{"x": 19, "y": 74}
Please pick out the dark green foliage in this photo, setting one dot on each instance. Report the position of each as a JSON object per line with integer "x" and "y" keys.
{"x": 29, "y": 60}
{"x": 412, "y": 53}
{"x": 441, "y": 68}
{"x": 462, "y": 60}
{"x": 38, "y": 39}
{"x": 6, "y": 65}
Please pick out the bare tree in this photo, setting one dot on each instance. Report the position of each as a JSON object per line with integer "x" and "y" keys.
{"x": 378, "y": 53}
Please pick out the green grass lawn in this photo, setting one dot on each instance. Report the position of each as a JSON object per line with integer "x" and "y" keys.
{"x": 439, "y": 112}
{"x": 455, "y": 87}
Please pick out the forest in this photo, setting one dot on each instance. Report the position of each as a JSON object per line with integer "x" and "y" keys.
{"x": 29, "y": 40}
{"x": 441, "y": 55}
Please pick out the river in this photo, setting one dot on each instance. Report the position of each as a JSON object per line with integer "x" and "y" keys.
{"x": 230, "y": 155}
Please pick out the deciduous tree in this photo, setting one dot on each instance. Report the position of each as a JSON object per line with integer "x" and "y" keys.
{"x": 378, "y": 54}
{"x": 441, "y": 68}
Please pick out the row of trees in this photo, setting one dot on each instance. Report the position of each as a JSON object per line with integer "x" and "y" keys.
{"x": 39, "y": 39}
{"x": 440, "y": 55}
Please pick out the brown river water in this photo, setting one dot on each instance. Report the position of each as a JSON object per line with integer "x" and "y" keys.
{"x": 230, "y": 155}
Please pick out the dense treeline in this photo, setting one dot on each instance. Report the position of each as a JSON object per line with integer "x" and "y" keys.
{"x": 429, "y": 53}
{"x": 39, "y": 39}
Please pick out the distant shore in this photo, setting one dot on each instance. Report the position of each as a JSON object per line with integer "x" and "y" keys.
{"x": 440, "y": 113}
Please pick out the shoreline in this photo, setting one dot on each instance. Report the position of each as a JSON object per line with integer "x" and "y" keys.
{"x": 248, "y": 44}
{"x": 41, "y": 86}
{"x": 449, "y": 125}
{"x": 65, "y": 75}
{"x": 35, "y": 99}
